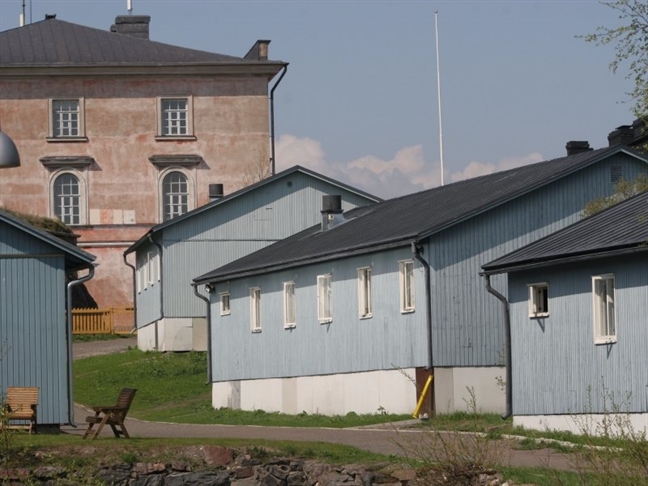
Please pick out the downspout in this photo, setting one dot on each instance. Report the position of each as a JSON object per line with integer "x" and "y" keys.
{"x": 134, "y": 270}
{"x": 209, "y": 334}
{"x": 272, "y": 124}
{"x": 155, "y": 243}
{"x": 507, "y": 345}
{"x": 417, "y": 251}
{"x": 69, "y": 330}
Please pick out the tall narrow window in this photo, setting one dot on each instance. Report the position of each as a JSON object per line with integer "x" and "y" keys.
{"x": 324, "y": 298}
{"x": 289, "y": 305}
{"x": 66, "y": 119}
{"x": 225, "y": 304}
{"x": 175, "y": 194}
{"x": 175, "y": 117}
{"x": 604, "y": 313}
{"x": 406, "y": 277}
{"x": 538, "y": 300}
{"x": 255, "y": 309}
{"x": 67, "y": 199}
{"x": 364, "y": 292}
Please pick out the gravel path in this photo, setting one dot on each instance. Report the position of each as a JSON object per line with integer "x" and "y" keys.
{"x": 390, "y": 440}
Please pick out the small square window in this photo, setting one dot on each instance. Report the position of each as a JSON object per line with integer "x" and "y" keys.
{"x": 175, "y": 118}
{"x": 225, "y": 304}
{"x": 289, "y": 305}
{"x": 324, "y": 314}
{"x": 364, "y": 293}
{"x": 539, "y": 300}
{"x": 66, "y": 119}
{"x": 616, "y": 173}
{"x": 255, "y": 309}
{"x": 604, "y": 309}
{"x": 406, "y": 278}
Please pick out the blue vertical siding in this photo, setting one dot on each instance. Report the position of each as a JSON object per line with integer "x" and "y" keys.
{"x": 557, "y": 368}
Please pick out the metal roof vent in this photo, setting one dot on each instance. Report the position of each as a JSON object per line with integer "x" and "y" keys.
{"x": 215, "y": 191}
{"x": 331, "y": 212}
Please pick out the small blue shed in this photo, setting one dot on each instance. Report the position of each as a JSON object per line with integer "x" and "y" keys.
{"x": 37, "y": 273}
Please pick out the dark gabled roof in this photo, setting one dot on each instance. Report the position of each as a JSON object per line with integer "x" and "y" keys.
{"x": 224, "y": 200}
{"x": 56, "y": 43}
{"x": 620, "y": 229}
{"x": 75, "y": 257}
{"x": 402, "y": 220}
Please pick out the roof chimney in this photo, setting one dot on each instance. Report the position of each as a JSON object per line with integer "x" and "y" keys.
{"x": 259, "y": 51}
{"x": 621, "y": 136}
{"x": 133, "y": 25}
{"x": 215, "y": 191}
{"x": 576, "y": 147}
{"x": 331, "y": 212}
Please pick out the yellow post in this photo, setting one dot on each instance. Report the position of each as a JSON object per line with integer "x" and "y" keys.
{"x": 415, "y": 414}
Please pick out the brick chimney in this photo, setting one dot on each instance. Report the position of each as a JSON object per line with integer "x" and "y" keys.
{"x": 259, "y": 51}
{"x": 133, "y": 25}
{"x": 576, "y": 147}
{"x": 621, "y": 135}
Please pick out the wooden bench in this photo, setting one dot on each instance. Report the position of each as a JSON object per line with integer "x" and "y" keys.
{"x": 113, "y": 415}
{"x": 21, "y": 403}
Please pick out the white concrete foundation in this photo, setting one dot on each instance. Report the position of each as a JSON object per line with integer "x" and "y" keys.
{"x": 174, "y": 334}
{"x": 585, "y": 423}
{"x": 453, "y": 388}
{"x": 368, "y": 392}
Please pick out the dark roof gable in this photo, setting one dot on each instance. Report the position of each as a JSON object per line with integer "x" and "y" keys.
{"x": 402, "y": 220}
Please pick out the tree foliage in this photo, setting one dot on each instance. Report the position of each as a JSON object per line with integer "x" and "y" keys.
{"x": 630, "y": 42}
{"x": 623, "y": 190}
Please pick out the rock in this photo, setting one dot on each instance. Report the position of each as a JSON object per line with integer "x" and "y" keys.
{"x": 297, "y": 465}
{"x": 154, "y": 480}
{"x": 218, "y": 455}
{"x": 404, "y": 474}
{"x": 48, "y": 472}
{"x": 296, "y": 478}
{"x": 278, "y": 471}
{"x": 219, "y": 478}
{"x": 242, "y": 472}
{"x": 113, "y": 476}
{"x": 180, "y": 466}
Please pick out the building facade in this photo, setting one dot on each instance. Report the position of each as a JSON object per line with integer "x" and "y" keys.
{"x": 118, "y": 133}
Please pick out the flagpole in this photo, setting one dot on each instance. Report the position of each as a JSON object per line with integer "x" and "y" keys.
{"x": 436, "y": 31}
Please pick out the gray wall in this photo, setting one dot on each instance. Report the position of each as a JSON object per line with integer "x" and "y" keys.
{"x": 555, "y": 359}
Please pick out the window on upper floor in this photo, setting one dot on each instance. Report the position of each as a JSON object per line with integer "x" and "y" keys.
{"x": 68, "y": 198}
{"x": 66, "y": 119}
{"x": 255, "y": 309}
{"x": 225, "y": 304}
{"x": 538, "y": 299}
{"x": 290, "y": 316}
{"x": 324, "y": 313}
{"x": 406, "y": 281}
{"x": 175, "y": 117}
{"x": 364, "y": 293}
{"x": 604, "y": 309}
{"x": 176, "y": 194}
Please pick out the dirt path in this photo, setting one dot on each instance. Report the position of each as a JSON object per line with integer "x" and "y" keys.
{"x": 391, "y": 440}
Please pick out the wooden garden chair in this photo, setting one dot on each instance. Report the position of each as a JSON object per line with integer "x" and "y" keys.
{"x": 113, "y": 415}
{"x": 21, "y": 403}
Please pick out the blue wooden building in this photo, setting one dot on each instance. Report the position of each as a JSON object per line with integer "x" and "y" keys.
{"x": 37, "y": 272}
{"x": 169, "y": 316}
{"x": 347, "y": 315}
{"x": 578, "y": 318}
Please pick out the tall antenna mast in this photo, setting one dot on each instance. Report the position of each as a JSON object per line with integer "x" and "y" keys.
{"x": 436, "y": 31}
{"x": 22, "y": 15}
{"x": 129, "y": 6}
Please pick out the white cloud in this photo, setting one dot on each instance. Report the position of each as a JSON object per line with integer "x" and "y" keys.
{"x": 405, "y": 173}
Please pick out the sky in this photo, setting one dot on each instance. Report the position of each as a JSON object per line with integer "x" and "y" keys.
{"x": 359, "y": 100}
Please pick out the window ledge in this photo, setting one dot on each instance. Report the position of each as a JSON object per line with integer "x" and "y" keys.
{"x": 66, "y": 139}
{"x": 256, "y": 331}
{"x": 170, "y": 138}
{"x": 407, "y": 311}
{"x": 182, "y": 160}
{"x": 225, "y": 314}
{"x": 325, "y": 321}
{"x": 368, "y": 316}
{"x": 58, "y": 162}
{"x": 290, "y": 326}
{"x": 538, "y": 315}
{"x": 605, "y": 340}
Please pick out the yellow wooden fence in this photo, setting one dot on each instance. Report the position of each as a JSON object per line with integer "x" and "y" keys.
{"x": 111, "y": 320}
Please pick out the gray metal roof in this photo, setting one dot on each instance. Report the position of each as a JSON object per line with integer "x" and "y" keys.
{"x": 56, "y": 43}
{"x": 402, "y": 220}
{"x": 620, "y": 229}
{"x": 270, "y": 180}
{"x": 74, "y": 256}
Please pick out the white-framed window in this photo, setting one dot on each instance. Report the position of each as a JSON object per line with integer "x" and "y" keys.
{"x": 225, "y": 304}
{"x": 290, "y": 307}
{"x": 364, "y": 293}
{"x": 406, "y": 284}
{"x": 66, "y": 119}
{"x": 604, "y": 309}
{"x": 538, "y": 299}
{"x": 176, "y": 193}
{"x": 324, "y": 313}
{"x": 175, "y": 117}
{"x": 68, "y": 202}
{"x": 152, "y": 268}
{"x": 255, "y": 309}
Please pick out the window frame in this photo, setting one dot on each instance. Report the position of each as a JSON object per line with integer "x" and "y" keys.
{"x": 52, "y": 130}
{"x": 161, "y": 111}
{"x": 534, "y": 288}
{"x": 162, "y": 195}
{"x": 289, "y": 304}
{"x": 225, "y": 310}
{"x": 255, "y": 309}
{"x": 365, "y": 303}
{"x": 81, "y": 196}
{"x": 324, "y": 301}
{"x": 604, "y": 337}
{"x": 406, "y": 286}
